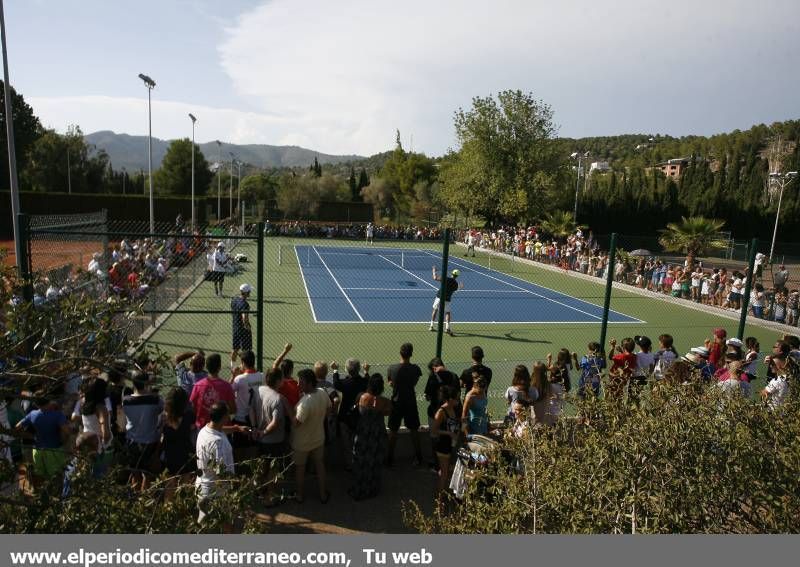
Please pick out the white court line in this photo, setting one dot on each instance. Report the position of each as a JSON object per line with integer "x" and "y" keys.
{"x": 426, "y": 291}
{"x": 337, "y": 285}
{"x": 303, "y": 276}
{"x": 480, "y": 322}
{"x": 413, "y": 275}
{"x": 529, "y": 291}
{"x": 635, "y": 320}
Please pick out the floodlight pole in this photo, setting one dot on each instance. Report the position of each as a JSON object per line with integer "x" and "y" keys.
{"x": 193, "y": 121}
{"x": 239, "y": 185}
{"x": 69, "y": 176}
{"x": 12, "y": 155}
{"x": 150, "y": 83}
{"x": 230, "y": 191}
{"x": 219, "y": 181}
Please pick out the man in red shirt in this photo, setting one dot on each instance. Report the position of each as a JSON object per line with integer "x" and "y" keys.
{"x": 211, "y": 390}
{"x": 289, "y": 387}
{"x": 623, "y": 363}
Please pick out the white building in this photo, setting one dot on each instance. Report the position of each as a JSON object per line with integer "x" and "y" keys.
{"x": 601, "y": 166}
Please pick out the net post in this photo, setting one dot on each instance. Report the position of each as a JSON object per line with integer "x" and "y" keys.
{"x": 748, "y": 287}
{"x": 612, "y": 255}
{"x": 280, "y": 254}
{"x": 402, "y": 259}
{"x": 442, "y": 288}
{"x": 260, "y": 298}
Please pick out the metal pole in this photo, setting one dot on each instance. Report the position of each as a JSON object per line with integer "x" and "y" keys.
{"x": 24, "y": 258}
{"x": 150, "y": 159}
{"x": 612, "y": 254}
{"x": 69, "y": 176}
{"x": 747, "y": 287}
{"x": 260, "y": 298}
{"x": 239, "y": 185}
{"x": 777, "y": 217}
{"x": 577, "y": 185}
{"x": 230, "y": 193}
{"x": 219, "y": 182}
{"x": 12, "y": 155}
{"x": 442, "y": 289}
{"x": 192, "y": 174}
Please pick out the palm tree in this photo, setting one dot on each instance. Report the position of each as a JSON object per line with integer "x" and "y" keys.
{"x": 694, "y": 236}
{"x": 560, "y": 224}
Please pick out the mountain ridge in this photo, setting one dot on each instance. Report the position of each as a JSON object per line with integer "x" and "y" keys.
{"x": 130, "y": 152}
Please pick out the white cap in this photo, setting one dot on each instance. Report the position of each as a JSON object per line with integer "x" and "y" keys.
{"x": 245, "y": 288}
{"x": 220, "y": 245}
{"x": 733, "y": 341}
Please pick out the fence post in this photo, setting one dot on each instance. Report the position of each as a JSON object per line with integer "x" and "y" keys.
{"x": 747, "y": 287}
{"x": 442, "y": 288}
{"x": 24, "y": 261}
{"x": 612, "y": 256}
{"x": 260, "y": 298}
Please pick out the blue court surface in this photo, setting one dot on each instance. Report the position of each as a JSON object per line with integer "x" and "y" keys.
{"x": 393, "y": 285}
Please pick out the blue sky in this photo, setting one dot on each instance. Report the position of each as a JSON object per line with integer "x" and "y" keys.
{"x": 340, "y": 77}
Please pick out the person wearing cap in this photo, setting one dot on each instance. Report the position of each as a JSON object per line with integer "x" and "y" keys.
{"x": 219, "y": 261}
{"x": 451, "y": 286}
{"x": 242, "y": 334}
{"x": 698, "y": 358}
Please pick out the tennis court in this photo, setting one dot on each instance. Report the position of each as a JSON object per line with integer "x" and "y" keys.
{"x": 394, "y": 285}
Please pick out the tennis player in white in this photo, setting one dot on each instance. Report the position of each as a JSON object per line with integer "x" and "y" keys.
{"x": 451, "y": 286}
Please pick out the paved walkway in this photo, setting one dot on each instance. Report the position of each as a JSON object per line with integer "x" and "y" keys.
{"x": 343, "y": 515}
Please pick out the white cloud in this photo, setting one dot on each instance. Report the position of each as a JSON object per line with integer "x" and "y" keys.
{"x": 170, "y": 118}
{"x": 339, "y": 77}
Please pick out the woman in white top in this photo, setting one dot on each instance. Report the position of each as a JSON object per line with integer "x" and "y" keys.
{"x": 94, "y": 410}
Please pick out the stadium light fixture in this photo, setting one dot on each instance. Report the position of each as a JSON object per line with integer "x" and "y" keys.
{"x": 150, "y": 84}
{"x": 193, "y": 203}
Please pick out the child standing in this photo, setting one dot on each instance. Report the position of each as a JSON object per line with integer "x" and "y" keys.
{"x": 645, "y": 364}
{"x": 751, "y": 358}
{"x": 623, "y": 364}
{"x": 665, "y": 356}
{"x": 591, "y": 366}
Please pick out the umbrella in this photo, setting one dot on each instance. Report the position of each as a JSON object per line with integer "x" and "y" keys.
{"x": 641, "y": 252}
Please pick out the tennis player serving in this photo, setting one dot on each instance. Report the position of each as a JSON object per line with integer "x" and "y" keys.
{"x": 451, "y": 286}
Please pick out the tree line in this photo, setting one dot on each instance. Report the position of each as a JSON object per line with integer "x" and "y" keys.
{"x": 509, "y": 167}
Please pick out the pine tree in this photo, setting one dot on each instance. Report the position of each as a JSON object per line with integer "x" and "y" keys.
{"x": 351, "y": 181}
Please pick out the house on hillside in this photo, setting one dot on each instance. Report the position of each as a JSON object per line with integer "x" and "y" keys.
{"x": 599, "y": 166}
{"x": 673, "y": 167}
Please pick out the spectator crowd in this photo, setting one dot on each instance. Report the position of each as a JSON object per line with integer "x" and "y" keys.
{"x": 205, "y": 428}
{"x": 720, "y": 287}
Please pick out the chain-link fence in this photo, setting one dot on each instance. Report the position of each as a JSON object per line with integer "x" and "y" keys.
{"x": 175, "y": 288}
{"x": 345, "y": 291}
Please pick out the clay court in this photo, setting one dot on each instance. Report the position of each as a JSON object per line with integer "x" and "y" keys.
{"x": 49, "y": 254}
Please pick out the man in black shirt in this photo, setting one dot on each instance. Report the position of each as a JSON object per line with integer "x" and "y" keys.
{"x": 242, "y": 333}
{"x": 477, "y": 366}
{"x": 403, "y": 378}
{"x": 450, "y": 287}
